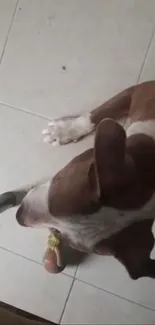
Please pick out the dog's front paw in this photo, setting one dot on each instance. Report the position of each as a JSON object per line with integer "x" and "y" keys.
{"x": 60, "y": 132}
{"x": 67, "y": 129}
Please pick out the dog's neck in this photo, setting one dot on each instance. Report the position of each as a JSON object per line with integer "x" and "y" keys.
{"x": 141, "y": 148}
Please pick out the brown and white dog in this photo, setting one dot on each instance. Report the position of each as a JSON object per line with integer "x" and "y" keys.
{"x": 103, "y": 201}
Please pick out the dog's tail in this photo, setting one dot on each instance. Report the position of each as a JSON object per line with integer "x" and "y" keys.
{"x": 14, "y": 198}
{"x": 11, "y": 199}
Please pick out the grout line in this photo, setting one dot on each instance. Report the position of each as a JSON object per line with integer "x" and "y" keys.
{"x": 76, "y": 271}
{"x": 115, "y": 294}
{"x": 25, "y": 111}
{"x": 74, "y": 278}
{"x": 9, "y": 30}
{"x": 19, "y": 255}
{"x": 46, "y": 117}
{"x": 34, "y": 261}
{"x": 146, "y": 55}
{"x": 31, "y": 260}
{"x": 62, "y": 314}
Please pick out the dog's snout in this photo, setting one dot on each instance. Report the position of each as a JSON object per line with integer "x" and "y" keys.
{"x": 19, "y": 216}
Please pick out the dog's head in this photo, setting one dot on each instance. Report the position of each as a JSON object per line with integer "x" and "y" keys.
{"x": 103, "y": 176}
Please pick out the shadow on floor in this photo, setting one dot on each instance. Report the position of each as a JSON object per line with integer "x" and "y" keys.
{"x": 74, "y": 257}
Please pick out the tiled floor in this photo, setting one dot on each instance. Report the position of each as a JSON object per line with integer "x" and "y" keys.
{"x": 105, "y": 45}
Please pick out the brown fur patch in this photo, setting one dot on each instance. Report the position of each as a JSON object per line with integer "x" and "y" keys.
{"x": 116, "y": 108}
{"x": 70, "y": 193}
{"x": 143, "y": 102}
{"x": 136, "y": 103}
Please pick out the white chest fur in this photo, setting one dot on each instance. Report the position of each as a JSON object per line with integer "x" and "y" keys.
{"x": 146, "y": 127}
{"x": 89, "y": 230}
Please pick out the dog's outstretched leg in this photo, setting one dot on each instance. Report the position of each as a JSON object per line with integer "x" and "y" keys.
{"x": 73, "y": 128}
{"x": 68, "y": 129}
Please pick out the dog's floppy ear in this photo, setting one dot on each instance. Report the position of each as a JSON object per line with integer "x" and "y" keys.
{"x": 112, "y": 165}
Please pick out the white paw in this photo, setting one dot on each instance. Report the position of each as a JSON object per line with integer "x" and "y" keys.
{"x": 60, "y": 131}
{"x": 67, "y": 129}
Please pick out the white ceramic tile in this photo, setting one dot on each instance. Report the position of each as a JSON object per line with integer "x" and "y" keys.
{"x": 107, "y": 273}
{"x": 89, "y": 305}
{"x": 24, "y": 158}
{"x": 7, "y": 9}
{"x": 148, "y": 72}
{"x": 101, "y": 44}
{"x": 24, "y": 284}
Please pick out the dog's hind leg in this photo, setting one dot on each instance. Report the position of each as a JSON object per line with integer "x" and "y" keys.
{"x": 73, "y": 128}
{"x": 11, "y": 199}
{"x": 132, "y": 247}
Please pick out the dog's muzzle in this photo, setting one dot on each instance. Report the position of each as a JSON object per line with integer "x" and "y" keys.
{"x": 19, "y": 216}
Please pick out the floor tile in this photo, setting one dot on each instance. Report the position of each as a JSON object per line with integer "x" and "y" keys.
{"x": 66, "y": 56}
{"x": 89, "y": 305}
{"x": 24, "y": 158}
{"x": 26, "y": 285}
{"x": 7, "y": 9}
{"x": 148, "y": 72}
{"x": 107, "y": 273}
